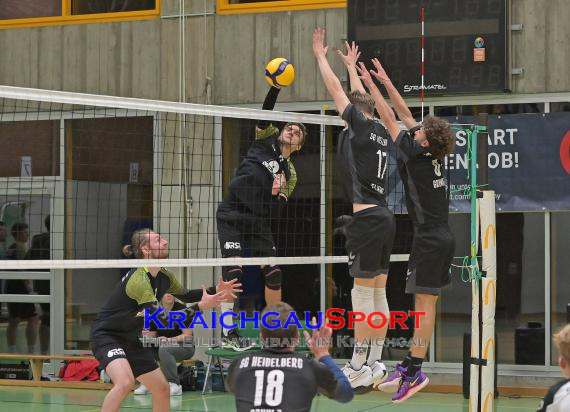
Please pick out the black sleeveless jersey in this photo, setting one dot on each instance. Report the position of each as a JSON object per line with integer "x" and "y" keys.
{"x": 424, "y": 182}
{"x": 363, "y": 148}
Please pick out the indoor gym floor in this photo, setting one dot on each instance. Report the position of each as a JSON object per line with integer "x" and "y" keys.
{"x": 71, "y": 400}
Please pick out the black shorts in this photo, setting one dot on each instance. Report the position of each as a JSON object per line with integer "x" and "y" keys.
{"x": 237, "y": 232}
{"x": 19, "y": 310}
{"x": 432, "y": 252}
{"x": 369, "y": 241}
{"x": 108, "y": 348}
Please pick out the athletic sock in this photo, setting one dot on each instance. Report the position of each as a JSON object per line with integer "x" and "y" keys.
{"x": 375, "y": 354}
{"x": 358, "y": 357}
{"x": 407, "y": 362}
{"x": 362, "y": 301}
{"x": 380, "y": 305}
{"x": 415, "y": 366}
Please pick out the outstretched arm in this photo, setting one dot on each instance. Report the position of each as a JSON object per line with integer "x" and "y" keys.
{"x": 350, "y": 60}
{"x": 332, "y": 382}
{"x": 384, "y": 110}
{"x": 332, "y": 82}
{"x": 399, "y": 104}
{"x": 264, "y": 128}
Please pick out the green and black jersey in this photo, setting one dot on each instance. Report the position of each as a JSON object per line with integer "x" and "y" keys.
{"x": 122, "y": 315}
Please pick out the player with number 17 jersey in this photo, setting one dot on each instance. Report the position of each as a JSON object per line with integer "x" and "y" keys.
{"x": 363, "y": 146}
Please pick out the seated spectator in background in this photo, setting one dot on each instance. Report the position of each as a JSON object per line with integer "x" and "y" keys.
{"x": 2, "y": 254}
{"x": 19, "y": 248}
{"x": 558, "y": 397}
{"x": 40, "y": 250}
{"x": 2, "y": 240}
{"x": 169, "y": 355}
{"x": 20, "y": 311}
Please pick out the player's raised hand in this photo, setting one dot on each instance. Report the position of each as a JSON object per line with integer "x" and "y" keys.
{"x": 211, "y": 301}
{"x": 319, "y": 47}
{"x": 318, "y": 343}
{"x": 149, "y": 333}
{"x": 229, "y": 288}
{"x": 380, "y": 73}
{"x": 364, "y": 75}
{"x": 352, "y": 54}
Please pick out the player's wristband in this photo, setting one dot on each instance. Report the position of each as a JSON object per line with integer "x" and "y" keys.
{"x": 191, "y": 310}
{"x": 282, "y": 197}
{"x": 195, "y": 307}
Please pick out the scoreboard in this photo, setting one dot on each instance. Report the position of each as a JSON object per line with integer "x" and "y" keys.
{"x": 465, "y": 43}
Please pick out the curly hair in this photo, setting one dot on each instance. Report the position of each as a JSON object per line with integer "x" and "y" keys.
{"x": 562, "y": 342}
{"x": 438, "y": 134}
{"x": 362, "y": 101}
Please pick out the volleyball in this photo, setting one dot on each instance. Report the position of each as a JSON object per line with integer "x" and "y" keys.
{"x": 279, "y": 72}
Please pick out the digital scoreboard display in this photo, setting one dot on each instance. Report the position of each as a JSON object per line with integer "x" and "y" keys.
{"x": 465, "y": 43}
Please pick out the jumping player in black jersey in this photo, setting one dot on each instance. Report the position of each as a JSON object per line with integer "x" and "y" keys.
{"x": 115, "y": 333}
{"x": 276, "y": 378}
{"x": 263, "y": 181}
{"x": 421, "y": 151}
{"x": 370, "y": 234}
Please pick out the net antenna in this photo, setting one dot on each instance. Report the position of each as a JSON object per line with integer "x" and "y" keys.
{"x": 422, "y": 20}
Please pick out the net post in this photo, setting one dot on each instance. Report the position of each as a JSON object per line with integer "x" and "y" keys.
{"x": 484, "y": 286}
{"x": 475, "y": 381}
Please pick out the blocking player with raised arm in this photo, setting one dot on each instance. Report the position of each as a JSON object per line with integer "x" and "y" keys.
{"x": 115, "y": 333}
{"x": 370, "y": 234}
{"x": 421, "y": 151}
{"x": 276, "y": 378}
{"x": 262, "y": 183}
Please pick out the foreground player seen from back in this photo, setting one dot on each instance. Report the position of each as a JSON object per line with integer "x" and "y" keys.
{"x": 558, "y": 397}
{"x": 421, "y": 151}
{"x": 363, "y": 146}
{"x": 276, "y": 378}
{"x": 115, "y": 333}
{"x": 262, "y": 183}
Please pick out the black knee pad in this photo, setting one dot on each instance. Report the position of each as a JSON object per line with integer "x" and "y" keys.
{"x": 231, "y": 273}
{"x": 272, "y": 276}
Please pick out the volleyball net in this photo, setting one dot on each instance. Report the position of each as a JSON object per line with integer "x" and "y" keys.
{"x": 80, "y": 173}
{"x": 86, "y": 171}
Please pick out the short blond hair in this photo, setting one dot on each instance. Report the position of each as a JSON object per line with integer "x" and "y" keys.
{"x": 362, "y": 101}
{"x": 562, "y": 341}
